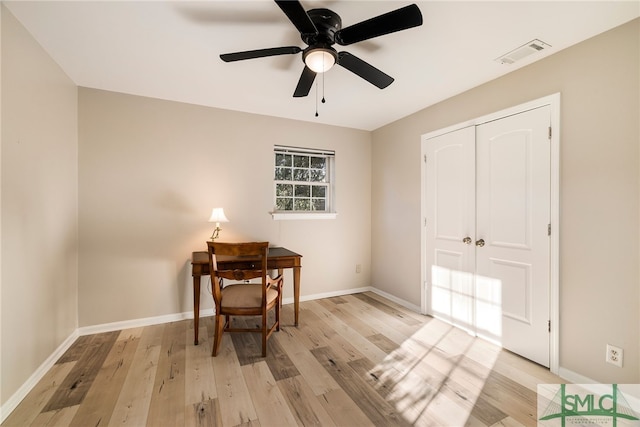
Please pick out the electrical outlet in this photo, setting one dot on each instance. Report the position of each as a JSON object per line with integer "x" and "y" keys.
{"x": 358, "y": 268}
{"x": 614, "y": 355}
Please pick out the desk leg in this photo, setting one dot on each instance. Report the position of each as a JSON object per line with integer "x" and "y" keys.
{"x": 280, "y": 273}
{"x": 196, "y": 307}
{"x": 296, "y": 292}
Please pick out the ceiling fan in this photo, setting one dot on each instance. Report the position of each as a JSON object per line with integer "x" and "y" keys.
{"x": 320, "y": 29}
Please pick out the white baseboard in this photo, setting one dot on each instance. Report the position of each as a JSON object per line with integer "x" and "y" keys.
{"x": 397, "y": 300}
{"x": 12, "y": 403}
{"x": 289, "y": 300}
{"x": 574, "y": 377}
{"x": 137, "y": 323}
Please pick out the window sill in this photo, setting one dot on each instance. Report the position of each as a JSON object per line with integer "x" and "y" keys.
{"x": 279, "y": 216}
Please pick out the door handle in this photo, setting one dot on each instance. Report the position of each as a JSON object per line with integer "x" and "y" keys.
{"x": 466, "y": 240}
{"x": 480, "y": 242}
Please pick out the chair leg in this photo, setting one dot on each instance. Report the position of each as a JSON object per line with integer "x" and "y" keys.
{"x": 264, "y": 334}
{"x": 277, "y": 317}
{"x": 217, "y": 335}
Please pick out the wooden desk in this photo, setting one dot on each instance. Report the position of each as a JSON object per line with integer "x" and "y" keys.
{"x": 277, "y": 259}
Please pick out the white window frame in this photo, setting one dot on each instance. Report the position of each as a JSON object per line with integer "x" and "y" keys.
{"x": 330, "y": 212}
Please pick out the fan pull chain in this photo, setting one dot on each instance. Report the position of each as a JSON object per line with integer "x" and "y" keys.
{"x": 323, "y": 101}
{"x": 316, "y": 99}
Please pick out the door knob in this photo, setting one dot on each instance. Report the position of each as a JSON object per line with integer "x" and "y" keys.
{"x": 466, "y": 240}
{"x": 480, "y": 242}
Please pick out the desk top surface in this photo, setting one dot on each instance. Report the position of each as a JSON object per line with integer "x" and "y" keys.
{"x": 202, "y": 257}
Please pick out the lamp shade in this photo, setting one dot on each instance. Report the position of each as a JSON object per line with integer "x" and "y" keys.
{"x": 320, "y": 60}
{"x": 217, "y": 215}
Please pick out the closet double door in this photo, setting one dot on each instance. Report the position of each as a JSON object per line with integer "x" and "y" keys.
{"x": 487, "y": 198}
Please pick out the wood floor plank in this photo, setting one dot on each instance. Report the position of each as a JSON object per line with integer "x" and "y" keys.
{"x": 518, "y": 401}
{"x": 99, "y": 403}
{"x": 344, "y": 313}
{"x": 200, "y": 380}
{"x": 37, "y": 398}
{"x": 75, "y": 351}
{"x": 132, "y": 406}
{"x": 379, "y": 411}
{"x": 311, "y": 370}
{"x": 388, "y": 309}
{"x": 248, "y": 345}
{"x": 167, "y": 406}
{"x": 391, "y": 328}
{"x": 343, "y": 410}
{"x": 508, "y": 422}
{"x": 205, "y": 413}
{"x": 270, "y": 404}
{"x": 303, "y": 404}
{"x": 236, "y": 406}
{"x": 383, "y": 343}
{"x": 76, "y": 385}
{"x": 406, "y": 311}
{"x": 364, "y": 346}
{"x": 56, "y": 418}
{"x": 278, "y": 360}
{"x": 324, "y": 333}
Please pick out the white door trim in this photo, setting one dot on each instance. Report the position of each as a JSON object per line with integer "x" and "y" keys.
{"x": 554, "y": 289}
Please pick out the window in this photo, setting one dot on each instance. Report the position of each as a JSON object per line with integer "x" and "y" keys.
{"x": 303, "y": 182}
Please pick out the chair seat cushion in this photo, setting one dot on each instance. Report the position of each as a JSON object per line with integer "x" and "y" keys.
{"x": 245, "y": 295}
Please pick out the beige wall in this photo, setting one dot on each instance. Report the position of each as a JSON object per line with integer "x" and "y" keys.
{"x": 39, "y": 206}
{"x": 150, "y": 172}
{"x": 600, "y": 164}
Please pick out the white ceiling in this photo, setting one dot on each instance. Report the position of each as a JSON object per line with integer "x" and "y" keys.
{"x": 170, "y": 50}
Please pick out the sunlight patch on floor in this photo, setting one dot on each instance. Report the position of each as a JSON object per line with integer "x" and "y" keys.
{"x": 435, "y": 376}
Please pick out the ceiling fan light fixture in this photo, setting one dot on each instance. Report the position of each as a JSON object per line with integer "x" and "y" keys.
{"x": 320, "y": 59}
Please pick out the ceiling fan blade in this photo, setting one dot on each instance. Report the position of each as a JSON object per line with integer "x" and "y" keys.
{"x": 304, "y": 84}
{"x": 364, "y": 70}
{"x": 260, "y": 53}
{"x": 390, "y": 22}
{"x": 298, "y": 16}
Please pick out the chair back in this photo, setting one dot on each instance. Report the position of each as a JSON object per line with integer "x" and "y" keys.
{"x": 254, "y": 266}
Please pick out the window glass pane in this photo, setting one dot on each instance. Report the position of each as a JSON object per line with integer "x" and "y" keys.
{"x": 318, "y": 162}
{"x": 302, "y": 205}
{"x": 284, "y": 204}
{"x": 283, "y": 159}
{"x": 283, "y": 174}
{"x": 301, "y": 161}
{"x": 284, "y": 190}
{"x": 318, "y": 205}
{"x": 303, "y": 191}
{"x": 301, "y": 174}
{"x": 317, "y": 175}
{"x": 318, "y": 191}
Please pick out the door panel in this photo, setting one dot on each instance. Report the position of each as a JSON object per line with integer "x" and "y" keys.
{"x": 513, "y": 212}
{"x": 508, "y": 168}
{"x": 450, "y": 203}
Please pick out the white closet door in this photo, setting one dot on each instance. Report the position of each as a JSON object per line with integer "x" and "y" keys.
{"x": 512, "y": 242}
{"x": 450, "y": 205}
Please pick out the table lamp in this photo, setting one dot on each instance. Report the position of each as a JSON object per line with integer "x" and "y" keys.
{"x": 217, "y": 216}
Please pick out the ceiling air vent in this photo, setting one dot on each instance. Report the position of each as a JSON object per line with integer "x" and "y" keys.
{"x": 523, "y": 51}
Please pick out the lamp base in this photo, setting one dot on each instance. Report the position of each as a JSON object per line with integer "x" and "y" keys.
{"x": 215, "y": 234}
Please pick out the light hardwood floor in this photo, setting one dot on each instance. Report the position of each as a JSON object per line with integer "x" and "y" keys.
{"x": 356, "y": 360}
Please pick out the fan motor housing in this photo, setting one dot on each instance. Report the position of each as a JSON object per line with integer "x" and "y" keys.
{"x": 327, "y": 23}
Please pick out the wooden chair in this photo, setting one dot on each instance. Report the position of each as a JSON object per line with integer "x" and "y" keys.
{"x": 243, "y": 299}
